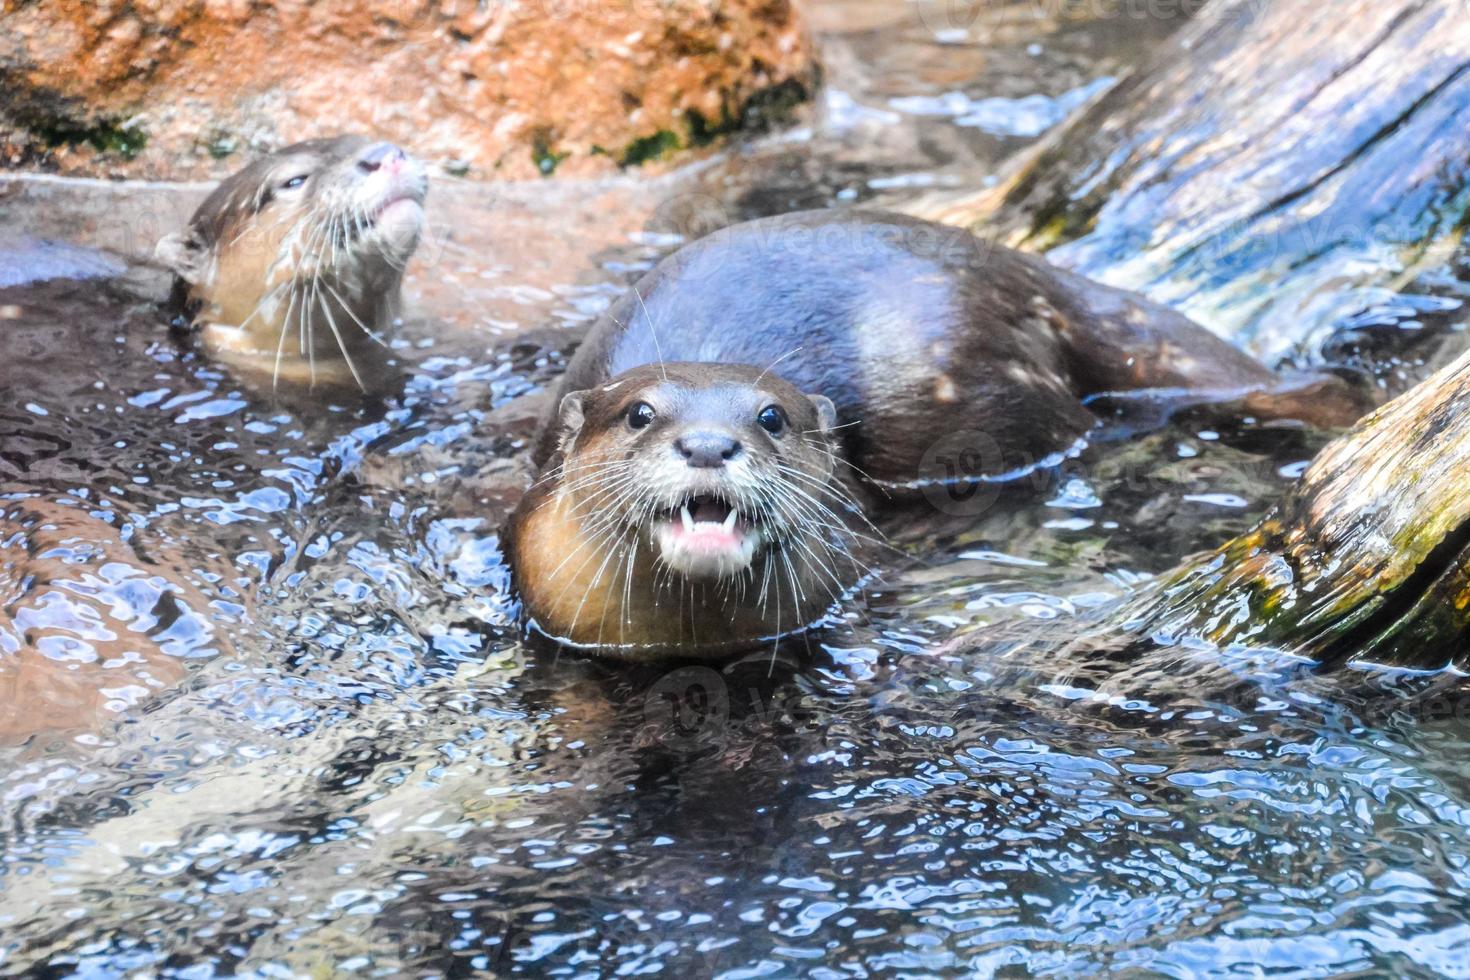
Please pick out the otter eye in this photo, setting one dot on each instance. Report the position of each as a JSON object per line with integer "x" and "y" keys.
{"x": 772, "y": 419}
{"x": 294, "y": 182}
{"x": 640, "y": 415}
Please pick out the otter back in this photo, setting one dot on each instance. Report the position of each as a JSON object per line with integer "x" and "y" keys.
{"x": 916, "y": 330}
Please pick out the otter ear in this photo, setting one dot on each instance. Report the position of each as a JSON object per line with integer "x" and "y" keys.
{"x": 826, "y": 412}
{"x": 569, "y": 418}
{"x": 183, "y": 255}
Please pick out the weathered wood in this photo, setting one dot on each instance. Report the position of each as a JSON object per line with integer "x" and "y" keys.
{"x": 1367, "y": 558}
{"x": 1277, "y": 167}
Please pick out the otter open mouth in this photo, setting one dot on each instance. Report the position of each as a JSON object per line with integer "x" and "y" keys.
{"x": 707, "y": 536}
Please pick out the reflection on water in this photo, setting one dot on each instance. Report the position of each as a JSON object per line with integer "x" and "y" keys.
{"x": 312, "y": 742}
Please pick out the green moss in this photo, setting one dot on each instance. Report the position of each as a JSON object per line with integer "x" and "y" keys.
{"x": 764, "y": 110}
{"x": 222, "y": 145}
{"x": 545, "y": 158}
{"x": 105, "y": 136}
{"x": 773, "y": 106}
{"x": 647, "y": 148}
{"x": 702, "y": 132}
{"x": 1057, "y": 223}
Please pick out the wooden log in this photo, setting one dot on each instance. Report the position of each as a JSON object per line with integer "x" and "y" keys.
{"x": 1276, "y": 168}
{"x": 1367, "y": 558}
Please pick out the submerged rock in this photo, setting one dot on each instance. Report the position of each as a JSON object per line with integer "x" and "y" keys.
{"x": 89, "y": 629}
{"x": 513, "y": 88}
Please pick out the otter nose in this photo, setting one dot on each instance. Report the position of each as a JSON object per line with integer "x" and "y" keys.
{"x": 707, "y": 449}
{"x": 378, "y": 155}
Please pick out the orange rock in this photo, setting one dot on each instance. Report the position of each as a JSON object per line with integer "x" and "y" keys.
{"x": 509, "y": 88}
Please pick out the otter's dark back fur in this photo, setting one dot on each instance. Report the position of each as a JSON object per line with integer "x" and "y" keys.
{"x": 915, "y": 330}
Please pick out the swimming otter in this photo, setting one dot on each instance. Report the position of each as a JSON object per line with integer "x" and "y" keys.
{"x": 687, "y": 505}
{"x": 877, "y": 336}
{"x": 304, "y": 249}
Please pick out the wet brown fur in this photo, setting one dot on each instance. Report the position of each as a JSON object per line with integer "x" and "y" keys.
{"x": 633, "y": 608}
{"x": 242, "y": 263}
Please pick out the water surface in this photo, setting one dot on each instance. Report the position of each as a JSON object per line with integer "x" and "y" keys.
{"x": 318, "y": 744}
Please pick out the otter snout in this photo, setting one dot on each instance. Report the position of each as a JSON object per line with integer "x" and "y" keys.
{"x": 707, "y": 450}
{"x": 382, "y": 154}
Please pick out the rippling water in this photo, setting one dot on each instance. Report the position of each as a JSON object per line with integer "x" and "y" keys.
{"x": 270, "y": 715}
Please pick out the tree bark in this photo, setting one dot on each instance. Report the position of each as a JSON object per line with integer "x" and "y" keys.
{"x": 1272, "y": 171}
{"x": 1367, "y": 558}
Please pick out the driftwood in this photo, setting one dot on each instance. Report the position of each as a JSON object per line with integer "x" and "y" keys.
{"x": 1278, "y": 168}
{"x": 1367, "y": 558}
{"x": 1282, "y": 166}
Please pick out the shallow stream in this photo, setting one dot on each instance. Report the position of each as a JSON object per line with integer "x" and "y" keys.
{"x": 342, "y": 759}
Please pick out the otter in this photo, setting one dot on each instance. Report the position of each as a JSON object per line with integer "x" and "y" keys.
{"x": 292, "y": 267}
{"x": 687, "y": 504}
{"x": 665, "y": 506}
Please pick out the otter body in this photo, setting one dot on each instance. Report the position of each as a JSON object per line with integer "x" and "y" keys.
{"x": 292, "y": 267}
{"x": 913, "y": 330}
{"x": 910, "y": 331}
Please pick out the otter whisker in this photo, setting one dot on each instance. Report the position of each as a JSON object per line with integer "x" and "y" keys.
{"x": 342, "y": 346}
{"x": 285, "y": 329}
{"x": 292, "y": 286}
{"x": 327, "y": 241}
{"x": 595, "y": 542}
{"x": 270, "y": 296}
{"x": 593, "y": 534}
{"x": 802, "y": 522}
{"x": 596, "y": 579}
{"x": 832, "y": 428}
{"x": 305, "y": 246}
{"x": 560, "y": 473}
{"x": 623, "y": 619}
{"x": 767, "y": 369}
{"x": 608, "y": 499}
{"x": 828, "y": 517}
{"x": 355, "y": 319}
{"x": 830, "y": 488}
{"x": 652, "y": 332}
{"x": 602, "y": 620}
{"x": 580, "y": 478}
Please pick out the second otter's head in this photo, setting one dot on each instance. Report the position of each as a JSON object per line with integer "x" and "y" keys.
{"x": 691, "y": 508}
{"x": 294, "y": 264}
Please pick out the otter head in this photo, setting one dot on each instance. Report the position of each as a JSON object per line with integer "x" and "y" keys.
{"x": 294, "y": 264}
{"x": 690, "y": 509}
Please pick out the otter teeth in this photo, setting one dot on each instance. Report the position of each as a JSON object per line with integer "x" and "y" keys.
{"x": 686, "y": 518}
{"x": 698, "y": 544}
